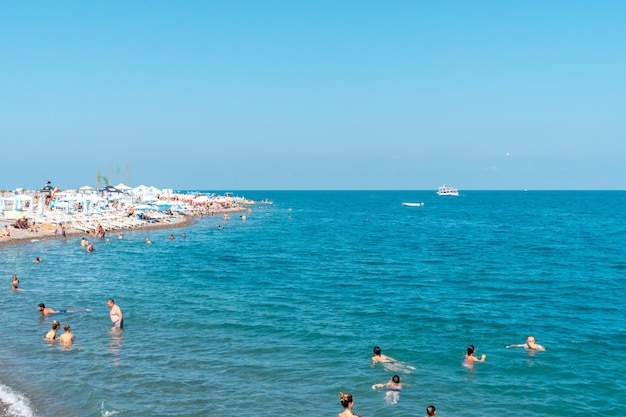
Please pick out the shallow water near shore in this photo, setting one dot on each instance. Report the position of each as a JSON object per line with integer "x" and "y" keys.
{"x": 277, "y": 314}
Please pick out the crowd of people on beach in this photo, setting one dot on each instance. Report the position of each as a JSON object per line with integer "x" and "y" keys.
{"x": 394, "y": 385}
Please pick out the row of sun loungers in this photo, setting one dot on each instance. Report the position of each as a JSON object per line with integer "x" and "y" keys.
{"x": 114, "y": 220}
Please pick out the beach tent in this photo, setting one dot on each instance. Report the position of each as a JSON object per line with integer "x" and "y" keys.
{"x": 19, "y": 200}
{"x": 123, "y": 187}
{"x": 48, "y": 188}
{"x": 141, "y": 189}
{"x": 111, "y": 189}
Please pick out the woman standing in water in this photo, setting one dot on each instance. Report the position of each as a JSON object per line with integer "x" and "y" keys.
{"x": 347, "y": 403}
{"x": 470, "y": 358}
{"x": 52, "y": 334}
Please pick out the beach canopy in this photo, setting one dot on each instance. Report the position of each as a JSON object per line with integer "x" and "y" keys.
{"x": 111, "y": 189}
{"x": 86, "y": 188}
{"x": 123, "y": 187}
{"x": 48, "y": 188}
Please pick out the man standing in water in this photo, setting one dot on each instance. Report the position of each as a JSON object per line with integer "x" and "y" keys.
{"x": 115, "y": 314}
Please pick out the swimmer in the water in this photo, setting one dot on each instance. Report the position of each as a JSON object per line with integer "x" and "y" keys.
{"x": 393, "y": 393}
{"x": 347, "y": 402}
{"x": 431, "y": 411}
{"x": 67, "y": 337}
{"x": 390, "y": 363}
{"x": 379, "y": 357}
{"x": 470, "y": 358}
{"x": 47, "y": 310}
{"x": 15, "y": 282}
{"x": 529, "y": 345}
{"x": 52, "y": 334}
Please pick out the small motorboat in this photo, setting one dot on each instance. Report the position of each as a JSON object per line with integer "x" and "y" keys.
{"x": 408, "y": 204}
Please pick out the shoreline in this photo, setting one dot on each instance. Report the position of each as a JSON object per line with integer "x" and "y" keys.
{"x": 45, "y": 232}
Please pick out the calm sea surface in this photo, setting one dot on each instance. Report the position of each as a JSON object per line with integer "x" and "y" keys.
{"x": 276, "y": 315}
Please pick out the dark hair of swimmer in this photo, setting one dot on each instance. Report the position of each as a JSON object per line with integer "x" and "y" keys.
{"x": 42, "y": 305}
{"x": 431, "y": 410}
{"x": 377, "y": 351}
{"x": 470, "y": 349}
{"x": 55, "y": 324}
{"x": 395, "y": 379}
{"x": 345, "y": 399}
{"x": 66, "y": 327}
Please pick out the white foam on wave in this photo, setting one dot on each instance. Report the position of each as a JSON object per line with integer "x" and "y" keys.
{"x": 17, "y": 403}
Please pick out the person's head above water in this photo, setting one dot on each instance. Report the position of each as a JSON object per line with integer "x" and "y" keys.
{"x": 55, "y": 324}
{"x": 345, "y": 399}
{"x": 431, "y": 410}
{"x": 377, "y": 351}
{"x": 395, "y": 379}
{"x": 41, "y": 306}
{"x": 470, "y": 350}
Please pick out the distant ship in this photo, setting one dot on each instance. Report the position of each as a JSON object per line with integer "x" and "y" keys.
{"x": 443, "y": 190}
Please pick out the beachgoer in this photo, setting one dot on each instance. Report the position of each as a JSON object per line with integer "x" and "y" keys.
{"x": 529, "y": 345}
{"x": 46, "y": 310}
{"x": 52, "y": 334}
{"x": 67, "y": 337}
{"x": 115, "y": 314}
{"x": 148, "y": 241}
{"x": 90, "y": 247}
{"x": 100, "y": 232}
{"x": 15, "y": 282}
{"x": 470, "y": 358}
{"x": 184, "y": 235}
{"x": 431, "y": 411}
{"x": 33, "y": 227}
{"x": 393, "y": 393}
{"x": 172, "y": 236}
{"x": 119, "y": 235}
{"x": 347, "y": 402}
{"x": 37, "y": 260}
{"x": 390, "y": 363}
{"x": 5, "y": 231}
{"x": 379, "y": 357}
{"x": 84, "y": 242}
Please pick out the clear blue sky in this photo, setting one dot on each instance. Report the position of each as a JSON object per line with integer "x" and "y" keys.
{"x": 240, "y": 95}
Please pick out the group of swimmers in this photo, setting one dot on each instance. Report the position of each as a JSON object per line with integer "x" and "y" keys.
{"x": 394, "y": 386}
{"x": 115, "y": 314}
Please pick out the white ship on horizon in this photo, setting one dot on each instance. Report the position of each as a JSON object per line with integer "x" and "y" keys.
{"x": 443, "y": 190}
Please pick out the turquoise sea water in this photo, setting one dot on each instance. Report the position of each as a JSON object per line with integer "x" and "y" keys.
{"x": 278, "y": 314}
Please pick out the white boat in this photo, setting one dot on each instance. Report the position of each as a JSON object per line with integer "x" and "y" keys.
{"x": 443, "y": 190}
{"x": 412, "y": 204}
